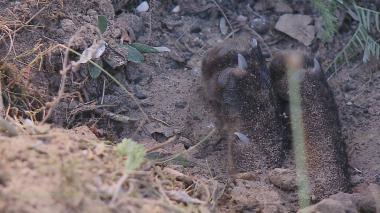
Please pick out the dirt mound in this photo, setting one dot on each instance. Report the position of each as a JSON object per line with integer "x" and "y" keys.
{"x": 72, "y": 171}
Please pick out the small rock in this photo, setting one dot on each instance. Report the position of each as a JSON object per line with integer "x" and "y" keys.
{"x": 196, "y": 71}
{"x": 68, "y": 25}
{"x": 247, "y": 176}
{"x": 328, "y": 205}
{"x": 349, "y": 87}
{"x": 260, "y": 25}
{"x": 139, "y": 92}
{"x": 143, "y": 7}
{"x": 180, "y": 104}
{"x": 241, "y": 18}
{"x": 185, "y": 141}
{"x": 147, "y": 104}
{"x": 285, "y": 179}
{"x": 366, "y": 201}
{"x": 195, "y": 29}
{"x": 159, "y": 130}
{"x": 176, "y": 9}
{"x": 356, "y": 179}
{"x": 297, "y": 26}
{"x": 223, "y": 26}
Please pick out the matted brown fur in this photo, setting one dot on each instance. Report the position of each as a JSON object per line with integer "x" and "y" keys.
{"x": 243, "y": 102}
{"x": 324, "y": 146}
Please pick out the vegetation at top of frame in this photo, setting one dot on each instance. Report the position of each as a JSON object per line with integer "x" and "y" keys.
{"x": 327, "y": 9}
{"x": 361, "y": 42}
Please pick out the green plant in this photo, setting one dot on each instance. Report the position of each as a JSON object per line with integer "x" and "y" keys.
{"x": 134, "y": 52}
{"x": 362, "y": 41}
{"x": 135, "y": 154}
{"x": 329, "y": 21}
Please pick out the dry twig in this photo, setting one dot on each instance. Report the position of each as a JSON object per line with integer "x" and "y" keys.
{"x": 190, "y": 149}
{"x": 65, "y": 68}
{"x": 170, "y": 140}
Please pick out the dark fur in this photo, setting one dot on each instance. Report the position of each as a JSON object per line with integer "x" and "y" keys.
{"x": 243, "y": 102}
{"x": 324, "y": 146}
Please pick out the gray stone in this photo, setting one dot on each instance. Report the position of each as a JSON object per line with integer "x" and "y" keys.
{"x": 139, "y": 92}
{"x": 68, "y": 25}
{"x": 260, "y": 25}
{"x": 180, "y": 104}
{"x": 284, "y": 179}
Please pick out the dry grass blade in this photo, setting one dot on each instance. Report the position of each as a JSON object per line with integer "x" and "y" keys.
{"x": 65, "y": 69}
{"x": 190, "y": 149}
{"x": 170, "y": 140}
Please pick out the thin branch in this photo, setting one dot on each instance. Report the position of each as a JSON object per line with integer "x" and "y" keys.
{"x": 118, "y": 187}
{"x": 170, "y": 140}
{"x": 190, "y": 149}
{"x": 65, "y": 68}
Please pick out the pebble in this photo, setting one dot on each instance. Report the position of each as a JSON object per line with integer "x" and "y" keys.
{"x": 356, "y": 179}
{"x": 139, "y": 92}
{"x": 185, "y": 141}
{"x": 241, "y": 18}
{"x": 68, "y": 25}
{"x": 260, "y": 25}
{"x": 285, "y": 179}
{"x": 180, "y": 104}
{"x": 147, "y": 104}
{"x": 143, "y": 7}
{"x": 176, "y": 9}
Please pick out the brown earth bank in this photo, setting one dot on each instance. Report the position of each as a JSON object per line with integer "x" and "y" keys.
{"x": 73, "y": 164}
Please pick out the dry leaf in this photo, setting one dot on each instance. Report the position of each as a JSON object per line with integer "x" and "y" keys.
{"x": 223, "y": 26}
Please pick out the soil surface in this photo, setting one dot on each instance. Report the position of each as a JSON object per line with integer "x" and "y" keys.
{"x": 70, "y": 165}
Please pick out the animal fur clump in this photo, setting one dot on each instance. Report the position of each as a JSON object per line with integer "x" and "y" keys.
{"x": 242, "y": 99}
{"x": 324, "y": 146}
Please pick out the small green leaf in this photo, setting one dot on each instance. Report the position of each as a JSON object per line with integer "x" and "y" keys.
{"x": 143, "y": 48}
{"x": 94, "y": 70}
{"x": 135, "y": 153}
{"x": 134, "y": 55}
{"x": 102, "y": 23}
